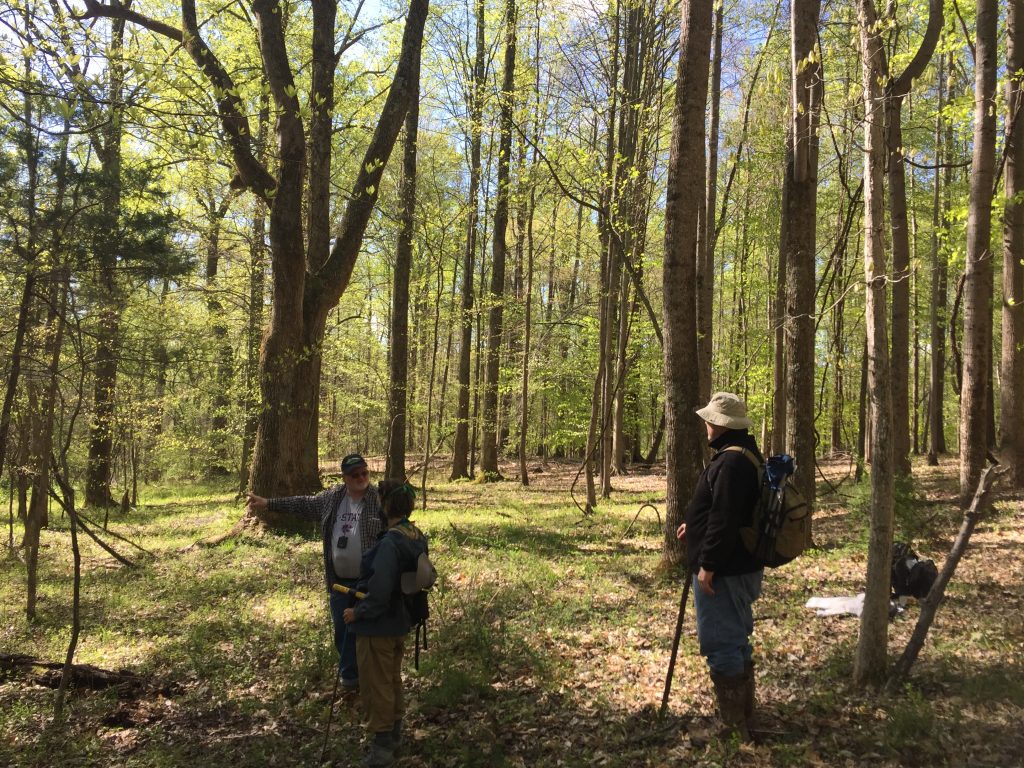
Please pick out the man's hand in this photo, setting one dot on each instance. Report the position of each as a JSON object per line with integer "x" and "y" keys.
{"x": 681, "y": 532}
{"x": 254, "y": 503}
{"x": 704, "y": 579}
{"x": 349, "y": 615}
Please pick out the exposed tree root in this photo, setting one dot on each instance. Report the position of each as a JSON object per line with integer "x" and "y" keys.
{"x": 244, "y": 523}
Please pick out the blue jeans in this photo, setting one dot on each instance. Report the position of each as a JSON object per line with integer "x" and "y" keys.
{"x": 725, "y": 621}
{"x": 344, "y": 641}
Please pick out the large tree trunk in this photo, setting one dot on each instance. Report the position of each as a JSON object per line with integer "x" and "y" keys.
{"x": 895, "y": 92}
{"x": 489, "y": 432}
{"x": 460, "y": 449}
{"x": 870, "y": 662}
{"x": 399, "y": 358}
{"x": 801, "y": 224}
{"x": 307, "y": 284}
{"x": 684, "y": 197}
{"x": 977, "y": 340}
{"x": 1011, "y": 423}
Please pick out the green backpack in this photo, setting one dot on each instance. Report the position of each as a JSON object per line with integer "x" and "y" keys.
{"x": 780, "y": 528}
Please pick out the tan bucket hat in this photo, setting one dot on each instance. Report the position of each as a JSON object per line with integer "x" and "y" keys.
{"x": 726, "y": 410}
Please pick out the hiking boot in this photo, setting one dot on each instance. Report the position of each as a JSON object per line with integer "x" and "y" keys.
{"x": 350, "y": 683}
{"x": 750, "y": 699}
{"x": 731, "y": 692}
{"x": 396, "y": 737}
{"x": 381, "y": 753}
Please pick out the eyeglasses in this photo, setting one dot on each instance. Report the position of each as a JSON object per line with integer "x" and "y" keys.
{"x": 359, "y": 475}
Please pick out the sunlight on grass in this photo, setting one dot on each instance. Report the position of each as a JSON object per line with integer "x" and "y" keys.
{"x": 549, "y": 634}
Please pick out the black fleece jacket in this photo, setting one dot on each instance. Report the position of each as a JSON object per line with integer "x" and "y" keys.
{"x": 722, "y": 503}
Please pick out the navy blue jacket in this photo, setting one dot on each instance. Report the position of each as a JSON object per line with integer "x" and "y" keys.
{"x": 383, "y": 613}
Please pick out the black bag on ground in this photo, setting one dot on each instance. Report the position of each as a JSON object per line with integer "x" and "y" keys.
{"x": 911, "y": 576}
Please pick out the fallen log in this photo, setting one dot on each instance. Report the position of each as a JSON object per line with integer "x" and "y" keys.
{"x": 82, "y": 675}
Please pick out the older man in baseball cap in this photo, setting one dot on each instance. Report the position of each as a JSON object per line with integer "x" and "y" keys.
{"x": 351, "y": 520}
{"x": 726, "y": 578}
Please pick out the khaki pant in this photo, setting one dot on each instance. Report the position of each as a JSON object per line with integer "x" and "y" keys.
{"x": 380, "y": 680}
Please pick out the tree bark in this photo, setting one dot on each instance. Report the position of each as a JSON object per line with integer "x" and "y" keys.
{"x": 895, "y": 92}
{"x": 870, "y": 661}
{"x": 1011, "y": 420}
{"x": 977, "y": 339}
{"x": 938, "y": 313}
{"x": 499, "y": 252}
{"x": 705, "y": 234}
{"x": 399, "y": 357}
{"x": 684, "y": 197}
{"x": 108, "y": 312}
{"x": 219, "y": 331}
{"x": 801, "y": 217}
{"x": 460, "y": 449}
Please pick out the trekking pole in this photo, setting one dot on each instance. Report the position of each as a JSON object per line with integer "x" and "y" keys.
{"x": 675, "y": 646}
{"x": 348, "y": 591}
{"x": 330, "y": 717}
{"x": 334, "y": 694}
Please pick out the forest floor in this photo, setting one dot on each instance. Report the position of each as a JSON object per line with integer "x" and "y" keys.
{"x": 549, "y": 640}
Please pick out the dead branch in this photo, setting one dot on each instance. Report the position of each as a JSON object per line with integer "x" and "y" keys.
{"x": 931, "y": 603}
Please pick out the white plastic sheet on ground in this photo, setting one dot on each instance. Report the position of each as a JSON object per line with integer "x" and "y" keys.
{"x": 837, "y": 606}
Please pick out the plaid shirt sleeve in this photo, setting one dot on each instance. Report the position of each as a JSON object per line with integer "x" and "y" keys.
{"x": 371, "y": 524}
{"x": 305, "y": 506}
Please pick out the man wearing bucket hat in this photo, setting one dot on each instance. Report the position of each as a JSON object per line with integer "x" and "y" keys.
{"x": 726, "y": 578}
{"x": 351, "y": 521}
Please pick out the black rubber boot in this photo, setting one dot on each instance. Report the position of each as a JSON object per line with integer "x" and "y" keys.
{"x": 731, "y": 692}
{"x": 396, "y": 737}
{"x": 750, "y": 700}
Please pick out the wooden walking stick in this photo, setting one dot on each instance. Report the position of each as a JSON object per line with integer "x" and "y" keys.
{"x": 675, "y": 645}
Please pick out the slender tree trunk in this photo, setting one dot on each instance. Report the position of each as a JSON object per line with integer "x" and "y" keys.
{"x": 938, "y": 312}
{"x": 781, "y": 356}
{"x": 870, "y": 661}
{"x": 1011, "y": 424}
{"x": 219, "y": 437}
{"x": 106, "y": 250}
{"x": 44, "y": 382}
{"x": 524, "y": 394}
{"x": 684, "y": 198}
{"x": 895, "y": 92}
{"x": 705, "y": 234}
{"x": 977, "y": 341}
{"x": 460, "y": 450}
{"x": 489, "y": 434}
{"x": 801, "y": 215}
{"x": 399, "y": 358}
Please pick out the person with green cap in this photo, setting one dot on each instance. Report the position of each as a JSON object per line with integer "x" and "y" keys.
{"x": 726, "y": 577}
{"x": 351, "y": 521}
{"x": 381, "y": 621}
